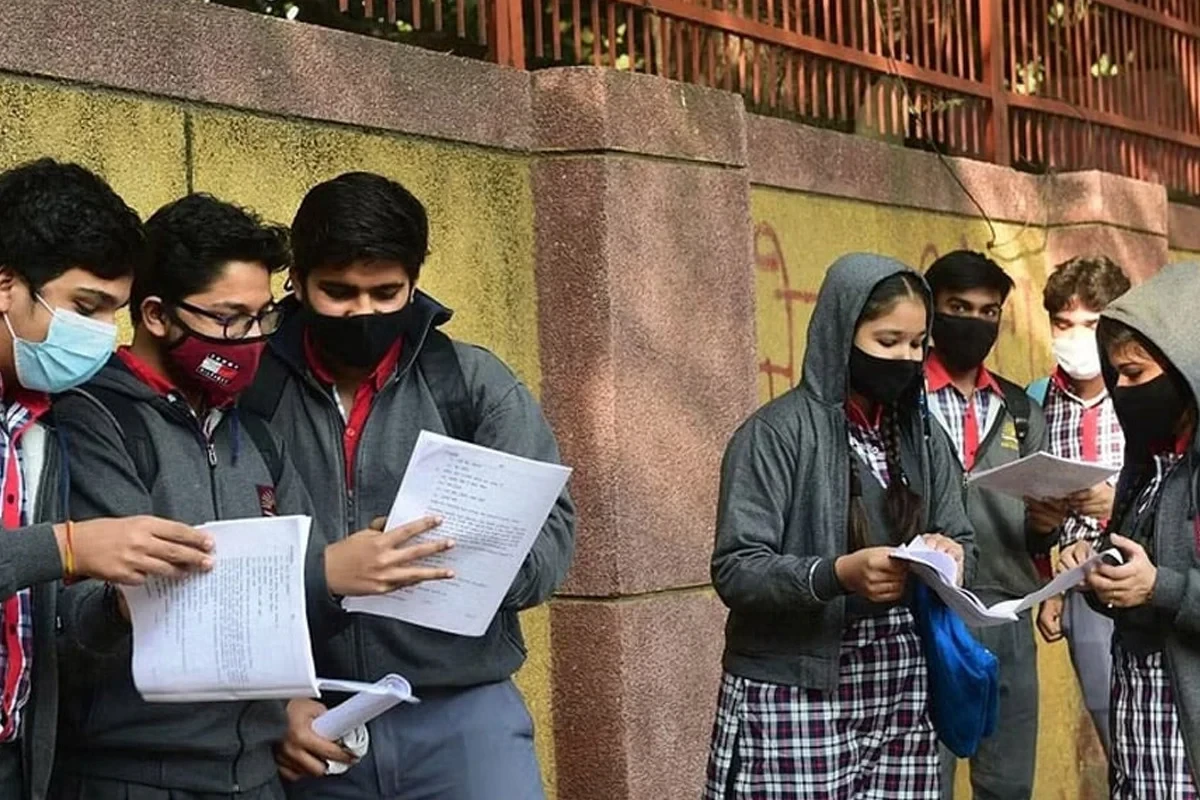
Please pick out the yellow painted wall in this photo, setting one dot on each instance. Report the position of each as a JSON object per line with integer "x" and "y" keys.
{"x": 797, "y": 236}
{"x": 1184, "y": 255}
{"x": 479, "y": 202}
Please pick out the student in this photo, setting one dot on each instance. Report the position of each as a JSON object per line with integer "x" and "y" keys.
{"x": 68, "y": 245}
{"x": 1081, "y": 424}
{"x": 1153, "y": 371}
{"x": 989, "y": 421}
{"x": 158, "y": 430}
{"x": 825, "y": 690}
{"x": 357, "y": 371}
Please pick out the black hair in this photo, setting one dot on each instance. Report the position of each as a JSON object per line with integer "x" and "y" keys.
{"x": 963, "y": 270}
{"x": 190, "y": 242}
{"x": 903, "y": 506}
{"x": 55, "y": 217}
{"x": 359, "y": 216}
{"x": 1093, "y": 281}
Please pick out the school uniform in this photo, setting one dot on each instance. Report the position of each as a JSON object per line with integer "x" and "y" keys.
{"x": 824, "y": 694}
{"x": 984, "y": 434}
{"x": 1084, "y": 430}
{"x": 1156, "y": 646}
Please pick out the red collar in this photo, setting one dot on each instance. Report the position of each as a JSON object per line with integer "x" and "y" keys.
{"x": 145, "y": 373}
{"x": 858, "y": 416}
{"x": 937, "y": 377}
{"x": 383, "y": 370}
{"x": 37, "y": 403}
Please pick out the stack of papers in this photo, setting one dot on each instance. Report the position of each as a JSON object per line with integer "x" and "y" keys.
{"x": 1042, "y": 476}
{"x": 493, "y": 505}
{"x": 938, "y": 571}
{"x": 238, "y": 632}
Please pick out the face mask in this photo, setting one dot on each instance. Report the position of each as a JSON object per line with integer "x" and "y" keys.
{"x": 1079, "y": 356}
{"x": 75, "y": 349}
{"x": 881, "y": 380}
{"x": 1150, "y": 413}
{"x": 218, "y": 369}
{"x": 360, "y": 341}
{"x": 963, "y": 342}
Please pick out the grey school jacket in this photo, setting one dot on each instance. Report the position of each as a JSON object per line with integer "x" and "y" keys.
{"x": 782, "y": 513}
{"x": 107, "y": 730}
{"x": 1156, "y": 310}
{"x": 508, "y": 418}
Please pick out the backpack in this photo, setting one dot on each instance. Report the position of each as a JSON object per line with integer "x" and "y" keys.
{"x": 1017, "y": 402}
{"x": 437, "y": 361}
{"x": 132, "y": 426}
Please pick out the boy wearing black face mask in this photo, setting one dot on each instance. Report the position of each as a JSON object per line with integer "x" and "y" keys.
{"x": 358, "y": 369}
{"x": 989, "y": 421}
{"x": 158, "y": 430}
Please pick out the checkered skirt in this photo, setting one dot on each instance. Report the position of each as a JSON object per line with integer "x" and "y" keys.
{"x": 870, "y": 739}
{"x": 1149, "y": 760}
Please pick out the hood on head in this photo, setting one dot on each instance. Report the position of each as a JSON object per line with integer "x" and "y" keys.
{"x": 844, "y": 293}
{"x": 1161, "y": 310}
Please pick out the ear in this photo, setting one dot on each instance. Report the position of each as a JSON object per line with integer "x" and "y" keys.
{"x": 295, "y": 284}
{"x": 154, "y": 317}
{"x": 8, "y": 281}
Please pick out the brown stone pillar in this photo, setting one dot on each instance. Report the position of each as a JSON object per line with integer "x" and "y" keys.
{"x": 646, "y": 320}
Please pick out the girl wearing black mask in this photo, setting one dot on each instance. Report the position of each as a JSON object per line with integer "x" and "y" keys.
{"x": 1152, "y": 370}
{"x": 825, "y": 689}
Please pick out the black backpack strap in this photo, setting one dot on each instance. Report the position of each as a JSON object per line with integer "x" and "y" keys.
{"x": 1018, "y": 404}
{"x": 132, "y": 427}
{"x": 260, "y": 433}
{"x": 443, "y": 374}
{"x": 262, "y": 398}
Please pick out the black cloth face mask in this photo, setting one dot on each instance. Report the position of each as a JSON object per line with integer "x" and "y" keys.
{"x": 882, "y": 380}
{"x": 1150, "y": 413}
{"x": 963, "y": 342}
{"x": 360, "y": 341}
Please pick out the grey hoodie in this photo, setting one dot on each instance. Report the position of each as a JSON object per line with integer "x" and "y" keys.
{"x": 784, "y": 499}
{"x": 1159, "y": 309}
{"x": 107, "y": 730}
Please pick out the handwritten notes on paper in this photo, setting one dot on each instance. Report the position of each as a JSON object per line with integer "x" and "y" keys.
{"x": 493, "y": 505}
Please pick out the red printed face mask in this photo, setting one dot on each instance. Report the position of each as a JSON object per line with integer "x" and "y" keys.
{"x": 218, "y": 369}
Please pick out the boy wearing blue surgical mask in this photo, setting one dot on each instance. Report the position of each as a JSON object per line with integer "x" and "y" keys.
{"x": 68, "y": 246}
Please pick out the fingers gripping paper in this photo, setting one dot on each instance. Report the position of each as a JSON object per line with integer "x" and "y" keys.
{"x": 493, "y": 506}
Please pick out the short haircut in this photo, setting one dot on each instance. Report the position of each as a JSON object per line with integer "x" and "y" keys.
{"x": 964, "y": 270}
{"x": 55, "y": 217}
{"x": 1095, "y": 280}
{"x": 190, "y": 242}
{"x": 359, "y": 216}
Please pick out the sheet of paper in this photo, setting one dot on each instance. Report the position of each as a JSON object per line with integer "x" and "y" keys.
{"x": 493, "y": 505}
{"x": 238, "y": 632}
{"x": 371, "y": 701}
{"x": 936, "y": 570}
{"x": 1042, "y": 476}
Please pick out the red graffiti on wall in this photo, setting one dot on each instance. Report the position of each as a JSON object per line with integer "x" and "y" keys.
{"x": 768, "y": 257}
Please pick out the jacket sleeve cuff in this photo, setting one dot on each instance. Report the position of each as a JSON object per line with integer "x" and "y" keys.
{"x": 823, "y": 582}
{"x": 33, "y": 556}
{"x": 1169, "y": 588}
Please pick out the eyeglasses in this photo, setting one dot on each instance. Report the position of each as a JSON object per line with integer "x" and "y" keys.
{"x": 238, "y": 326}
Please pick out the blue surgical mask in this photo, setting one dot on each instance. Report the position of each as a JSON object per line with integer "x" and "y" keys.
{"x": 75, "y": 349}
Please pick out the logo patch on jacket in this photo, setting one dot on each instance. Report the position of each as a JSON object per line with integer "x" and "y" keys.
{"x": 266, "y": 501}
{"x": 1008, "y": 437}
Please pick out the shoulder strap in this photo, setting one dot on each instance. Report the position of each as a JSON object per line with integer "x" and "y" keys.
{"x": 131, "y": 426}
{"x": 1018, "y": 405}
{"x": 1039, "y": 390}
{"x": 260, "y": 433}
{"x": 262, "y": 398}
{"x": 443, "y": 374}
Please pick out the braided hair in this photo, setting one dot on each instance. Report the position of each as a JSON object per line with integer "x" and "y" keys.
{"x": 903, "y": 506}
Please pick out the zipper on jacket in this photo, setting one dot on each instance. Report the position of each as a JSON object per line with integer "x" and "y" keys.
{"x": 235, "y": 784}
{"x": 206, "y": 443}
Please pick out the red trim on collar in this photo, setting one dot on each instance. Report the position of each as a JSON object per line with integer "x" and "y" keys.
{"x": 937, "y": 377}
{"x": 159, "y": 384}
{"x": 379, "y": 376}
{"x": 857, "y": 415}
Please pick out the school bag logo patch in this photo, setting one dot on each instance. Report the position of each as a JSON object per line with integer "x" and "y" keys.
{"x": 266, "y": 501}
{"x": 217, "y": 369}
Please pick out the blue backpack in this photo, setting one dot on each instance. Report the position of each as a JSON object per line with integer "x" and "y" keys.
{"x": 964, "y": 677}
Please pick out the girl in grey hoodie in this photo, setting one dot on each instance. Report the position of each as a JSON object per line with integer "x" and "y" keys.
{"x": 1153, "y": 372}
{"x": 825, "y": 688}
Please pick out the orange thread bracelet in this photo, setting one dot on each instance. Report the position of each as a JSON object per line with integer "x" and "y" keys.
{"x": 70, "y": 572}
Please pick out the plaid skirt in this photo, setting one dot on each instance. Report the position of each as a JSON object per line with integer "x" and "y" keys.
{"x": 1149, "y": 760}
{"x": 870, "y": 739}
